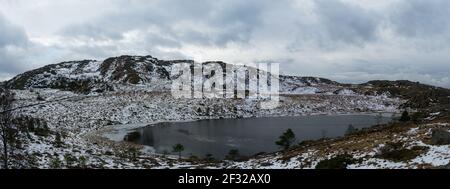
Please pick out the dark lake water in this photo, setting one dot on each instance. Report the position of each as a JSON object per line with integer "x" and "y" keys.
{"x": 249, "y": 136}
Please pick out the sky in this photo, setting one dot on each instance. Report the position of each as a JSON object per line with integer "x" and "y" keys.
{"x": 350, "y": 41}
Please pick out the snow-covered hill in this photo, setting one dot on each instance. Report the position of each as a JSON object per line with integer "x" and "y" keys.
{"x": 97, "y": 76}
{"x": 136, "y": 72}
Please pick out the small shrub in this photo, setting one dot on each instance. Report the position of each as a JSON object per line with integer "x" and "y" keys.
{"x": 70, "y": 160}
{"x": 58, "y": 142}
{"x": 55, "y": 163}
{"x": 43, "y": 131}
{"x": 209, "y": 158}
{"x": 82, "y": 161}
{"x": 32, "y": 160}
{"x": 338, "y": 162}
{"x": 405, "y": 117}
{"x": 397, "y": 152}
{"x": 178, "y": 148}
{"x": 417, "y": 117}
{"x": 266, "y": 164}
{"x": 132, "y": 137}
{"x": 233, "y": 155}
{"x": 40, "y": 98}
{"x": 286, "y": 139}
{"x": 29, "y": 124}
{"x": 133, "y": 153}
{"x": 193, "y": 158}
{"x": 351, "y": 130}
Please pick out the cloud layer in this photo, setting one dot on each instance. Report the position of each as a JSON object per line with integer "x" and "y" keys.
{"x": 13, "y": 42}
{"x": 346, "y": 40}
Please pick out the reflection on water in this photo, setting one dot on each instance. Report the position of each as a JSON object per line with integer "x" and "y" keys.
{"x": 250, "y": 136}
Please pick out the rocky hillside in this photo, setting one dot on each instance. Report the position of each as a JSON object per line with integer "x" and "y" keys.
{"x": 420, "y": 96}
{"x": 95, "y": 76}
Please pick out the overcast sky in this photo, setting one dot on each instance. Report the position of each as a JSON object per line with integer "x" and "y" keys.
{"x": 344, "y": 40}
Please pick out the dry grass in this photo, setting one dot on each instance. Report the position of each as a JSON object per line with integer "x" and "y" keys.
{"x": 365, "y": 141}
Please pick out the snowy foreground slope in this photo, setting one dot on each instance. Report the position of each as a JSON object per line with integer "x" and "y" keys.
{"x": 364, "y": 151}
{"x": 81, "y": 102}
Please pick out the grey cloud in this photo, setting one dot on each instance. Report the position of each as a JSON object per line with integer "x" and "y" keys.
{"x": 11, "y": 35}
{"x": 9, "y": 63}
{"x": 12, "y": 41}
{"x": 339, "y": 25}
{"x": 421, "y": 18}
{"x": 434, "y": 71}
{"x": 230, "y": 21}
{"x": 347, "y": 23}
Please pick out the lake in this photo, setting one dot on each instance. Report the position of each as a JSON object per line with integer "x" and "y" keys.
{"x": 250, "y": 136}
